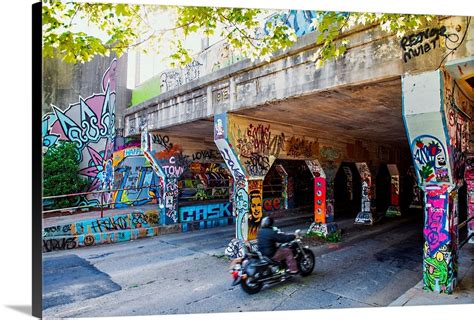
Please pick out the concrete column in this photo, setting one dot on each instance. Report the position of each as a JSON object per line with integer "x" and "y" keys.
{"x": 168, "y": 169}
{"x": 435, "y": 115}
{"x": 417, "y": 198}
{"x": 394, "y": 208}
{"x": 320, "y": 225}
{"x": 330, "y": 169}
{"x": 284, "y": 181}
{"x": 367, "y": 209}
{"x": 348, "y": 173}
{"x": 469, "y": 177}
{"x": 249, "y": 161}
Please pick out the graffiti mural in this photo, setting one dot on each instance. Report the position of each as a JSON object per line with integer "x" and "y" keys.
{"x": 438, "y": 270}
{"x": 176, "y": 77}
{"x": 133, "y": 171}
{"x": 90, "y": 124}
{"x": 430, "y": 160}
{"x": 457, "y": 107}
{"x": 469, "y": 177}
{"x": 365, "y": 215}
{"x": 205, "y": 216}
{"x": 86, "y": 233}
{"x": 436, "y": 216}
{"x": 257, "y": 147}
{"x": 439, "y": 259}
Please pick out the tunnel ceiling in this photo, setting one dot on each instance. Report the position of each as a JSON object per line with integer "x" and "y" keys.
{"x": 370, "y": 111}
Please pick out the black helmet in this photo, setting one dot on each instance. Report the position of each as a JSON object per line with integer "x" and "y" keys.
{"x": 267, "y": 222}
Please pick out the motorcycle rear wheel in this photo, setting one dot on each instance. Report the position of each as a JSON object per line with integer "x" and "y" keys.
{"x": 250, "y": 287}
{"x": 306, "y": 265}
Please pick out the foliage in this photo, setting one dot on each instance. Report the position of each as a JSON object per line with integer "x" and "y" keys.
{"x": 123, "y": 26}
{"x": 60, "y": 173}
{"x": 332, "y": 237}
{"x": 128, "y": 26}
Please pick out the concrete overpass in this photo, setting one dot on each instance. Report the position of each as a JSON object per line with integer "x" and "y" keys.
{"x": 362, "y": 108}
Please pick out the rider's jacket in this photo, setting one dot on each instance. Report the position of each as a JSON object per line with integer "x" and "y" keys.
{"x": 268, "y": 238}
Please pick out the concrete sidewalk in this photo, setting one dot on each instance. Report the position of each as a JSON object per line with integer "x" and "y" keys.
{"x": 463, "y": 294}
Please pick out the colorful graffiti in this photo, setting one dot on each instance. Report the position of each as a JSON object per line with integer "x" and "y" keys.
{"x": 319, "y": 190}
{"x": 240, "y": 190}
{"x": 132, "y": 172}
{"x": 430, "y": 160}
{"x": 205, "y": 216}
{"x": 365, "y": 215}
{"x": 457, "y": 106}
{"x": 439, "y": 270}
{"x": 469, "y": 177}
{"x": 436, "y": 216}
{"x": 86, "y": 233}
{"x": 255, "y": 145}
{"x": 90, "y": 124}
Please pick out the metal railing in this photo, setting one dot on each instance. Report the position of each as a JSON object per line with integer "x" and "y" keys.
{"x": 101, "y": 205}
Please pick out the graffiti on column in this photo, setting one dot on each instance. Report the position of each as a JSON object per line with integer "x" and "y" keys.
{"x": 256, "y": 207}
{"x": 319, "y": 190}
{"x": 438, "y": 262}
{"x": 366, "y": 212}
{"x": 457, "y": 106}
{"x": 240, "y": 194}
{"x": 348, "y": 173}
{"x": 90, "y": 124}
{"x": 255, "y": 145}
{"x": 469, "y": 176}
{"x": 430, "y": 160}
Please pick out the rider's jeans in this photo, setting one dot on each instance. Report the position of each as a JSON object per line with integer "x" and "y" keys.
{"x": 286, "y": 254}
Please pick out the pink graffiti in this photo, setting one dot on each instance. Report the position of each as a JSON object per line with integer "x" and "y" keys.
{"x": 436, "y": 216}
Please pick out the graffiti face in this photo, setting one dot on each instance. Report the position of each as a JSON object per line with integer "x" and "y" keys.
{"x": 255, "y": 207}
{"x": 430, "y": 160}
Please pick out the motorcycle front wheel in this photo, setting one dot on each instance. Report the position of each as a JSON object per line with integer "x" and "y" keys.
{"x": 250, "y": 287}
{"x": 306, "y": 263}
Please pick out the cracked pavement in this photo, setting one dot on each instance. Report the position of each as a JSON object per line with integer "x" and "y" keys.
{"x": 187, "y": 273}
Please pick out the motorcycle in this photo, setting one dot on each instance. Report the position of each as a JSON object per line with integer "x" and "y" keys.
{"x": 253, "y": 270}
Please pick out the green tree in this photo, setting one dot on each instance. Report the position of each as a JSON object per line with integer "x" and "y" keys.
{"x": 128, "y": 26}
{"x": 60, "y": 174}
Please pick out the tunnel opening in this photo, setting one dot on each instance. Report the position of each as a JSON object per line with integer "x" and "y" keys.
{"x": 347, "y": 191}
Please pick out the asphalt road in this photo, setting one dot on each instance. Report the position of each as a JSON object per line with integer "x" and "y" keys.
{"x": 187, "y": 273}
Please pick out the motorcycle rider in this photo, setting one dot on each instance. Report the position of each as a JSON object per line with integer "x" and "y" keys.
{"x": 267, "y": 239}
